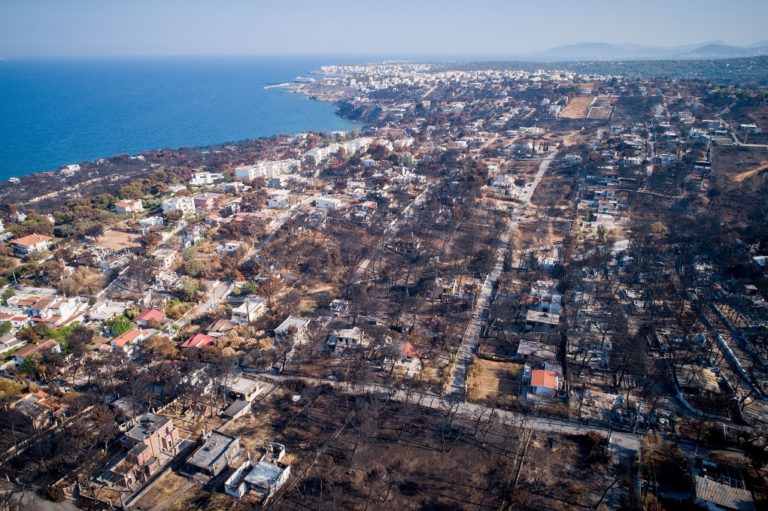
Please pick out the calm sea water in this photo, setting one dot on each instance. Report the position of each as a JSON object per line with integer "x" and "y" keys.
{"x": 54, "y": 112}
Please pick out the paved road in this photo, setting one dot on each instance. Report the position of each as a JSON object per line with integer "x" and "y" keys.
{"x": 457, "y": 382}
{"x": 630, "y": 441}
{"x": 218, "y": 291}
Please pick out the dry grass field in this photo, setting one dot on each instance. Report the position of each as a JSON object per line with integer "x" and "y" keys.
{"x": 117, "y": 240}
{"x": 577, "y": 107}
{"x": 489, "y": 379}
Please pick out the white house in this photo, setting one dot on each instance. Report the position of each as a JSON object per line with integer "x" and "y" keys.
{"x": 32, "y": 243}
{"x": 68, "y": 170}
{"x": 292, "y": 323}
{"x": 205, "y": 178}
{"x": 248, "y": 311}
{"x": 30, "y": 349}
{"x": 544, "y": 383}
{"x": 184, "y": 204}
{"x": 328, "y": 203}
{"x": 126, "y": 207}
{"x": 229, "y": 246}
{"x": 249, "y": 172}
{"x": 56, "y": 311}
{"x": 151, "y": 221}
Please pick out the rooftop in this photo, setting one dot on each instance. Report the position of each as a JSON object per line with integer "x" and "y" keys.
{"x": 263, "y": 475}
{"x": 243, "y": 386}
{"x": 542, "y": 317}
{"x": 544, "y": 378}
{"x": 34, "y": 348}
{"x": 150, "y": 315}
{"x": 126, "y": 338}
{"x": 215, "y": 445}
{"x": 198, "y": 341}
{"x": 30, "y": 240}
{"x": 723, "y": 495}
{"x": 291, "y": 321}
{"x": 146, "y": 426}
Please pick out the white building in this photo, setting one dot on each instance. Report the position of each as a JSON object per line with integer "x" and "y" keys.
{"x": 229, "y": 246}
{"x": 319, "y": 154}
{"x": 184, "y": 204}
{"x": 328, "y": 203}
{"x": 55, "y": 311}
{"x": 544, "y": 383}
{"x": 267, "y": 169}
{"x": 31, "y": 243}
{"x": 248, "y": 311}
{"x": 126, "y": 207}
{"x": 205, "y": 178}
{"x": 249, "y": 172}
{"x": 260, "y": 477}
{"x": 292, "y": 323}
{"x": 151, "y": 221}
{"x": 68, "y": 170}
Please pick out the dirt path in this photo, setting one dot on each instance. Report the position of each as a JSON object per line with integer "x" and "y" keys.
{"x": 742, "y": 176}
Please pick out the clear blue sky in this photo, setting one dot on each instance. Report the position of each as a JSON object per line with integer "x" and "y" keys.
{"x": 395, "y": 27}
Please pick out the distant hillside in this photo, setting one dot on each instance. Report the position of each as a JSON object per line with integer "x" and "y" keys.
{"x": 749, "y": 70}
{"x": 607, "y": 51}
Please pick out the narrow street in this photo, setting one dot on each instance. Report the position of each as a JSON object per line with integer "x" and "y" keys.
{"x": 457, "y": 383}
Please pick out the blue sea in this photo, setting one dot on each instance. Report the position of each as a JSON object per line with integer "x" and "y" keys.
{"x": 54, "y": 112}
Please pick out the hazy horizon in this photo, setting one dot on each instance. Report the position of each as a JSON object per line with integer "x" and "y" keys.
{"x": 451, "y": 28}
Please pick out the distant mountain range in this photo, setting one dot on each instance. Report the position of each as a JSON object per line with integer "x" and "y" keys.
{"x": 607, "y": 51}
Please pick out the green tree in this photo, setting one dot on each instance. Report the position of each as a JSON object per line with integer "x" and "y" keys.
{"x": 29, "y": 366}
{"x": 120, "y": 325}
{"x": 189, "y": 289}
{"x": 5, "y": 327}
{"x": 8, "y": 293}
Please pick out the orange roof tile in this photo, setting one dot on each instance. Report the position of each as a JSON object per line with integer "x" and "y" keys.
{"x": 544, "y": 378}
{"x": 32, "y": 239}
{"x": 198, "y": 341}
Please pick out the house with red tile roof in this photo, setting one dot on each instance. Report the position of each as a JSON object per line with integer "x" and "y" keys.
{"x": 126, "y": 341}
{"x": 24, "y": 246}
{"x": 125, "y": 207}
{"x": 149, "y": 316}
{"x": 30, "y": 349}
{"x": 17, "y": 321}
{"x": 198, "y": 341}
{"x": 544, "y": 383}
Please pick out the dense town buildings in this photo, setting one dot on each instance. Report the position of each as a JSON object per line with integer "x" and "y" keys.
{"x": 547, "y": 265}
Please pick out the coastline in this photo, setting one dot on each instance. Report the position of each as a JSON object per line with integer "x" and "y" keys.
{"x": 217, "y": 114}
{"x": 31, "y": 188}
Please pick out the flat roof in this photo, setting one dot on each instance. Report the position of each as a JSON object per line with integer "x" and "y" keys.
{"x": 263, "y": 475}
{"x": 236, "y": 408}
{"x": 291, "y": 321}
{"x": 542, "y": 317}
{"x": 146, "y": 425}
{"x": 215, "y": 445}
{"x": 242, "y": 385}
